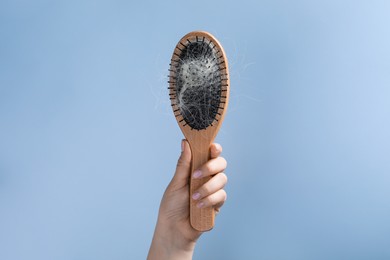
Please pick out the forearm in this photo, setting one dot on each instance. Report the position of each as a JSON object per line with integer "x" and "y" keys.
{"x": 166, "y": 245}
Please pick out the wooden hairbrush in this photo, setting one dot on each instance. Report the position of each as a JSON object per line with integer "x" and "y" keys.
{"x": 199, "y": 93}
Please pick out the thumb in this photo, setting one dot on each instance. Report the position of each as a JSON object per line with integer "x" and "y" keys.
{"x": 183, "y": 167}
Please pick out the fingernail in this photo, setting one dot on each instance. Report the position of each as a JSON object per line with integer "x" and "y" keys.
{"x": 182, "y": 145}
{"x": 200, "y": 205}
{"x": 197, "y": 174}
{"x": 196, "y": 195}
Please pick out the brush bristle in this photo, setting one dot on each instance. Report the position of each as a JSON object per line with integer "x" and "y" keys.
{"x": 198, "y": 82}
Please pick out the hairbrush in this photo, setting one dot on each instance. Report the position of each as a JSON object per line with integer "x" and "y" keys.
{"x": 199, "y": 94}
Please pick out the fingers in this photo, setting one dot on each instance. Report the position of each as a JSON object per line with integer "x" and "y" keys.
{"x": 217, "y": 198}
{"x": 210, "y": 168}
{"x": 212, "y": 193}
{"x": 215, "y": 165}
{"x": 218, "y": 206}
{"x": 213, "y": 185}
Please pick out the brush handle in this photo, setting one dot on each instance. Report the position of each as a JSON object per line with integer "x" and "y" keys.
{"x": 202, "y": 219}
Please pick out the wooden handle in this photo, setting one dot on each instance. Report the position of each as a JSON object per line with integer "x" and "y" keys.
{"x": 202, "y": 219}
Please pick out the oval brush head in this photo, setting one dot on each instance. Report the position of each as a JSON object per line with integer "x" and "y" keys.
{"x": 199, "y": 93}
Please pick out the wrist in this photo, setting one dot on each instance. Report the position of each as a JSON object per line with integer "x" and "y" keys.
{"x": 168, "y": 244}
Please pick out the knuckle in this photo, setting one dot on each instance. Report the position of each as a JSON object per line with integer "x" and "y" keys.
{"x": 182, "y": 163}
{"x": 214, "y": 149}
{"x": 179, "y": 163}
{"x": 217, "y": 198}
{"x": 224, "y": 162}
{"x": 223, "y": 177}
{"x": 219, "y": 148}
{"x": 210, "y": 201}
{"x": 224, "y": 195}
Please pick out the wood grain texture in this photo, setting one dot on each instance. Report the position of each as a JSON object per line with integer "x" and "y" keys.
{"x": 200, "y": 140}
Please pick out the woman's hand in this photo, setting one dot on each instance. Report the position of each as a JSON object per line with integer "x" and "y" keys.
{"x": 174, "y": 237}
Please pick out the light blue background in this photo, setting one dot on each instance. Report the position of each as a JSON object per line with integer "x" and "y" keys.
{"x": 88, "y": 141}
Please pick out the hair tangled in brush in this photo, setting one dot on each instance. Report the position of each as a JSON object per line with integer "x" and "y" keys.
{"x": 198, "y": 83}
